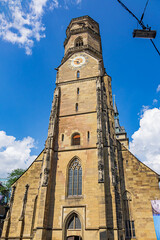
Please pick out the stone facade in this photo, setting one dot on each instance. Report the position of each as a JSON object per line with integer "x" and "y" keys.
{"x": 111, "y": 199}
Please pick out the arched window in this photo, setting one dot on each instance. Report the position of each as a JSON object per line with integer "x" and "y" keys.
{"x": 79, "y": 42}
{"x": 78, "y": 74}
{"x": 75, "y": 139}
{"x": 77, "y": 91}
{"x": 74, "y": 222}
{"x": 75, "y": 178}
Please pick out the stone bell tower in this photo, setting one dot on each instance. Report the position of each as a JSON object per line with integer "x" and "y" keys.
{"x": 78, "y": 176}
{"x": 84, "y": 183}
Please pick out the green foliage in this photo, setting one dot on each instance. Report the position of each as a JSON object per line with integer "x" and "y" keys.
{"x": 5, "y": 189}
{"x": 13, "y": 176}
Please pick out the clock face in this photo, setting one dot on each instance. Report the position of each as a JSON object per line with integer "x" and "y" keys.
{"x": 78, "y": 60}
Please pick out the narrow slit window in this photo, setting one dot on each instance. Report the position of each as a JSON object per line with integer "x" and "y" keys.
{"x": 77, "y": 91}
{"x": 62, "y": 137}
{"x": 133, "y": 229}
{"x": 78, "y": 74}
{"x": 88, "y": 136}
{"x": 76, "y": 107}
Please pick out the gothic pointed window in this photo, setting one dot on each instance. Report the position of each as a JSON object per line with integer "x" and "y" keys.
{"x": 79, "y": 42}
{"x": 75, "y": 178}
{"x": 74, "y": 222}
{"x": 75, "y": 139}
{"x": 129, "y": 222}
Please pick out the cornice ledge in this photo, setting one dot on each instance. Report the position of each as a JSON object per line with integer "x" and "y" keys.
{"x": 70, "y": 51}
{"x": 80, "y": 30}
{"x": 74, "y": 20}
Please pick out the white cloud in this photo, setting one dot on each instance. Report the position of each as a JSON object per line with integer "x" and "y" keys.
{"x": 78, "y": 1}
{"x": 21, "y": 20}
{"x": 158, "y": 88}
{"x": 155, "y": 101}
{"x": 145, "y": 142}
{"x": 15, "y": 153}
{"x": 144, "y": 108}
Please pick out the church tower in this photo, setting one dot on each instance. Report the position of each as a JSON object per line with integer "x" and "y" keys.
{"x": 81, "y": 142}
{"x": 85, "y": 185}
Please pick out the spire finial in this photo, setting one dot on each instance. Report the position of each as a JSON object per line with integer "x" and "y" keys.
{"x": 115, "y": 106}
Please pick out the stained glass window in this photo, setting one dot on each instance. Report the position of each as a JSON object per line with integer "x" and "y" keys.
{"x": 75, "y": 179}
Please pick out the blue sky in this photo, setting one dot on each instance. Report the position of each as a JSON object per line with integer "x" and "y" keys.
{"x": 31, "y": 46}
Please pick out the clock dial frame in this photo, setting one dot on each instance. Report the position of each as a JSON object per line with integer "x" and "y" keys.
{"x": 78, "y": 60}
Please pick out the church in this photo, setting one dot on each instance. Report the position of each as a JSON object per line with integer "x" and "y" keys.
{"x": 85, "y": 184}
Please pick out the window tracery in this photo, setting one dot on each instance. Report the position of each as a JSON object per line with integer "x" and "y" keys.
{"x": 75, "y": 178}
{"x": 74, "y": 222}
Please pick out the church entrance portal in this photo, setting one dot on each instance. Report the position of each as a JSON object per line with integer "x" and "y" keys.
{"x": 74, "y": 238}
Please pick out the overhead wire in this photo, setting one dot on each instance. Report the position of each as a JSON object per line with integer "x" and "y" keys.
{"x": 155, "y": 46}
{"x": 144, "y": 11}
{"x": 140, "y": 22}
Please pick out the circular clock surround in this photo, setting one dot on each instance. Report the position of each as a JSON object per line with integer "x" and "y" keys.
{"x": 78, "y": 61}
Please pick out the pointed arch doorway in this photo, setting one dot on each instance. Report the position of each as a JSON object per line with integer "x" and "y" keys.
{"x": 73, "y": 228}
